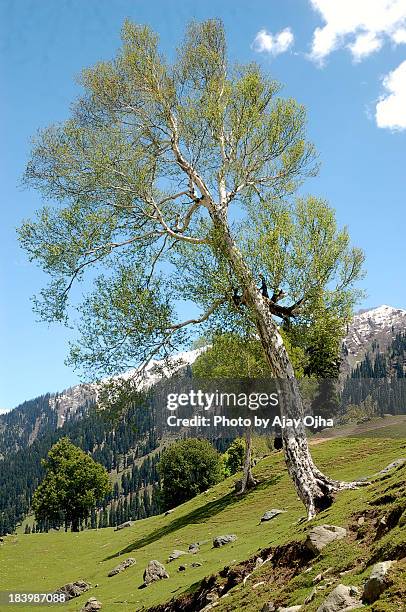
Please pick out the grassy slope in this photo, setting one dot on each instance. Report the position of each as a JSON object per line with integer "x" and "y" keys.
{"x": 42, "y": 562}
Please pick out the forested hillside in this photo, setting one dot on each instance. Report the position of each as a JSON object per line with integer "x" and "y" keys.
{"x": 124, "y": 447}
{"x": 117, "y": 446}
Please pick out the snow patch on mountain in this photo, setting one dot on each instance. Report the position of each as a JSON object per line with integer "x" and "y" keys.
{"x": 379, "y": 325}
{"x": 72, "y": 401}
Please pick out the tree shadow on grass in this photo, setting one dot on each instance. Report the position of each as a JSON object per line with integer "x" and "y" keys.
{"x": 200, "y": 515}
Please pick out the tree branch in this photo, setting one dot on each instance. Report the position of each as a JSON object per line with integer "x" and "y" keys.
{"x": 186, "y": 166}
{"x": 201, "y": 319}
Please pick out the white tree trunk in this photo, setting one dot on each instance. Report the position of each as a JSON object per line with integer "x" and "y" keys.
{"x": 248, "y": 480}
{"x": 314, "y": 488}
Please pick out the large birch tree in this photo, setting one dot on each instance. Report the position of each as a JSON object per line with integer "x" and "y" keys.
{"x": 178, "y": 181}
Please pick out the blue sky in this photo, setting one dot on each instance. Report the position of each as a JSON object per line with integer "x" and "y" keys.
{"x": 346, "y": 63}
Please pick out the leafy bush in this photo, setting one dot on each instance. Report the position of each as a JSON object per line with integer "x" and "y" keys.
{"x": 187, "y": 468}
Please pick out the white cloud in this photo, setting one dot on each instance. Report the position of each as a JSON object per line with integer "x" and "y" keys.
{"x": 364, "y": 45}
{"x": 400, "y": 36}
{"x": 391, "y": 108}
{"x": 4, "y": 410}
{"x": 362, "y": 26}
{"x": 265, "y": 42}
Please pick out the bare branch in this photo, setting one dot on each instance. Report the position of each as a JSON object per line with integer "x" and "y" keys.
{"x": 174, "y": 233}
{"x": 201, "y": 319}
{"x": 186, "y": 166}
{"x": 115, "y": 245}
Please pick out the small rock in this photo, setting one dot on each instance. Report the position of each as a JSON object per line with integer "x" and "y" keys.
{"x": 92, "y": 605}
{"x": 322, "y": 535}
{"x": 121, "y": 567}
{"x": 290, "y": 609}
{"x": 270, "y": 514}
{"x": 194, "y": 548}
{"x": 269, "y": 607}
{"x": 182, "y": 568}
{"x": 196, "y": 564}
{"x": 123, "y": 525}
{"x": 361, "y": 520}
{"x": 317, "y": 578}
{"x": 224, "y": 539}
{"x": 258, "y": 562}
{"x": 154, "y": 571}
{"x": 341, "y": 598}
{"x": 377, "y": 582}
{"x": 168, "y": 512}
{"x": 175, "y": 555}
{"x": 73, "y": 589}
{"x": 393, "y": 465}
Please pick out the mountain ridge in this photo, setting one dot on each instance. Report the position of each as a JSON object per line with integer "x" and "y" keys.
{"x": 379, "y": 324}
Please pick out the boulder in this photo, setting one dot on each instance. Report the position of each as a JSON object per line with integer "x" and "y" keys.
{"x": 393, "y": 465}
{"x": 194, "y": 548}
{"x": 123, "y": 525}
{"x": 223, "y": 539}
{"x": 73, "y": 589}
{"x": 341, "y": 598}
{"x": 322, "y": 535}
{"x": 175, "y": 555}
{"x": 154, "y": 571}
{"x": 377, "y": 582}
{"x": 92, "y": 605}
{"x": 270, "y": 514}
{"x": 121, "y": 567}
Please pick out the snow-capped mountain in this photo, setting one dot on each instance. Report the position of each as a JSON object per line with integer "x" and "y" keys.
{"x": 379, "y": 325}
{"x": 72, "y": 400}
{"x": 25, "y": 423}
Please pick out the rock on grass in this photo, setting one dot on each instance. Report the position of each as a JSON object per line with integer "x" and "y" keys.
{"x": 121, "y": 567}
{"x": 175, "y": 555}
{"x": 270, "y": 514}
{"x": 73, "y": 589}
{"x": 322, "y": 535}
{"x": 223, "y": 539}
{"x": 341, "y": 598}
{"x": 92, "y": 605}
{"x": 154, "y": 571}
{"x": 377, "y": 582}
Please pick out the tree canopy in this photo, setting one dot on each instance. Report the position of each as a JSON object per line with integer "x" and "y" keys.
{"x": 134, "y": 177}
{"x": 187, "y": 468}
{"x": 72, "y": 486}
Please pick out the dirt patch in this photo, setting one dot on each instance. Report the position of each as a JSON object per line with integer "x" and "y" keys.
{"x": 281, "y": 564}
